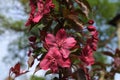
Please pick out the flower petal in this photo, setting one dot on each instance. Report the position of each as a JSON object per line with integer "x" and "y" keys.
{"x": 64, "y": 52}
{"x": 40, "y": 6}
{"x": 56, "y": 54}
{"x": 69, "y": 43}
{"x": 37, "y": 17}
{"x": 50, "y": 40}
{"x": 88, "y": 60}
{"x": 33, "y": 8}
{"x": 44, "y": 64}
{"x": 64, "y": 62}
{"x": 39, "y": 13}
{"x": 59, "y": 59}
{"x": 29, "y": 22}
{"x": 50, "y": 60}
{"x": 91, "y": 28}
{"x": 48, "y": 5}
{"x": 61, "y": 35}
{"x": 54, "y": 67}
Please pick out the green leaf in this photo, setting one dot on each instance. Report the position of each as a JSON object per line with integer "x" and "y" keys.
{"x": 48, "y": 72}
{"x": 78, "y": 34}
{"x": 43, "y": 50}
{"x": 41, "y": 26}
{"x": 56, "y": 5}
{"x": 37, "y": 78}
{"x": 74, "y": 50}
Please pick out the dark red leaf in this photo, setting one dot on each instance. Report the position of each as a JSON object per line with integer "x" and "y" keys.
{"x": 17, "y": 66}
{"x": 108, "y": 53}
{"x": 29, "y": 52}
{"x": 16, "y": 70}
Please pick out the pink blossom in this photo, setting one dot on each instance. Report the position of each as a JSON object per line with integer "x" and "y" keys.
{"x": 43, "y": 9}
{"x": 93, "y": 40}
{"x": 33, "y": 10}
{"x": 53, "y": 60}
{"x": 87, "y": 55}
{"x": 91, "y": 28}
{"x": 88, "y": 60}
{"x": 117, "y": 62}
{"x": 87, "y": 52}
{"x": 60, "y": 41}
{"x": 91, "y": 22}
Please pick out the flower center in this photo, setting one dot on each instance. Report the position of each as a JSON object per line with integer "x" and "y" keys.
{"x": 59, "y": 43}
{"x": 52, "y": 60}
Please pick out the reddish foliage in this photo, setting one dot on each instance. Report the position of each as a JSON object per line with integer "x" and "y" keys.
{"x": 16, "y": 70}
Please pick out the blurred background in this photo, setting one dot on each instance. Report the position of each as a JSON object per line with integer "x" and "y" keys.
{"x": 14, "y": 35}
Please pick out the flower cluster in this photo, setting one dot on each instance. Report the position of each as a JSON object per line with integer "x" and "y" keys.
{"x": 58, "y": 51}
{"x": 87, "y": 52}
{"x": 42, "y": 7}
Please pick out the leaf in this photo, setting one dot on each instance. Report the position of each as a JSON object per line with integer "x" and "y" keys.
{"x": 65, "y": 12}
{"x": 31, "y": 61}
{"x": 34, "y": 77}
{"x": 108, "y": 53}
{"x": 74, "y": 18}
{"x": 42, "y": 56}
{"x": 16, "y": 70}
{"x": 78, "y": 34}
{"x": 79, "y": 74}
{"x": 9, "y": 78}
{"x": 39, "y": 51}
{"x": 74, "y": 59}
{"x": 48, "y": 72}
{"x": 41, "y": 26}
{"x": 17, "y": 67}
{"x": 85, "y": 7}
{"x": 56, "y": 5}
{"x": 37, "y": 68}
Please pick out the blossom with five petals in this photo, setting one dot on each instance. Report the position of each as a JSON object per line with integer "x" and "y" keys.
{"x": 87, "y": 55}
{"x": 53, "y": 60}
{"x": 43, "y": 9}
{"x": 60, "y": 41}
